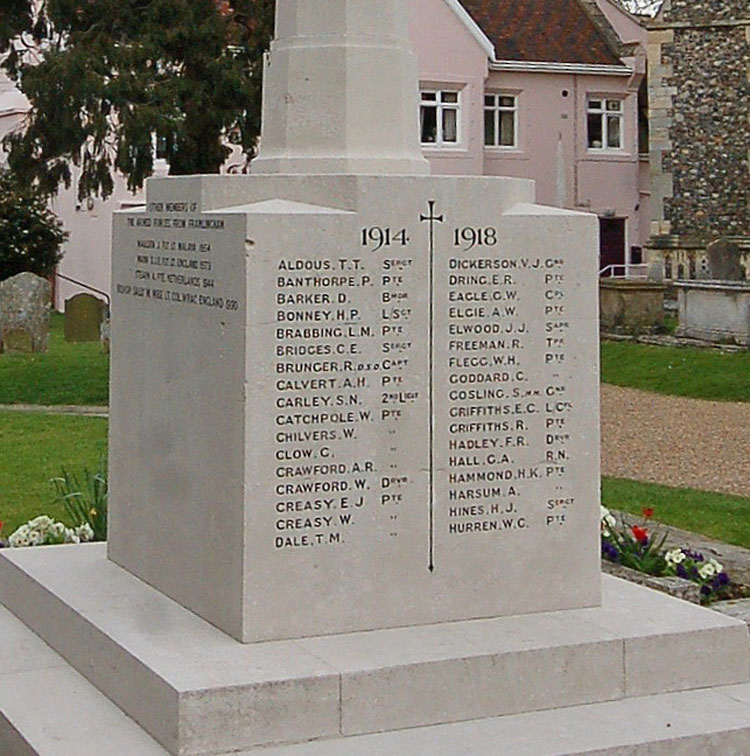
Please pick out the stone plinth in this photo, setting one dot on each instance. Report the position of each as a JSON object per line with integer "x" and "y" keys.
{"x": 630, "y": 306}
{"x": 714, "y": 311}
{"x": 364, "y": 412}
{"x": 197, "y": 691}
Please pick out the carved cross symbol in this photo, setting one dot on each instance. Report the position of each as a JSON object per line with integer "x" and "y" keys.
{"x": 432, "y": 218}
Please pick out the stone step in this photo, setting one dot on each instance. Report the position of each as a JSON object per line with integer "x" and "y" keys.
{"x": 196, "y": 690}
{"x": 709, "y": 722}
{"x": 48, "y": 709}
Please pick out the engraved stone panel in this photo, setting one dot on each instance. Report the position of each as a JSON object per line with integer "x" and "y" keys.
{"x": 364, "y": 415}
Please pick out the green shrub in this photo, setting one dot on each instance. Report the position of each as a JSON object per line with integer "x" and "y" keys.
{"x": 30, "y": 234}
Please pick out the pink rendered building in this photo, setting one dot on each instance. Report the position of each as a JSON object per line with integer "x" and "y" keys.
{"x": 551, "y": 90}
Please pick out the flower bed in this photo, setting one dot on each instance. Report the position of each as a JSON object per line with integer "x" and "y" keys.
{"x": 44, "y": 531}
{"x": 85, "y": 502}
{"x": 634, "y": 546}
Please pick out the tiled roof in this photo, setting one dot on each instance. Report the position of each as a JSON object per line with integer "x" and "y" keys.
{"x": 555, "y": 31}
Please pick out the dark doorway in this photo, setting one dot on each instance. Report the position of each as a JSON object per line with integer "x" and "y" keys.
{"x": 611, "y": 244}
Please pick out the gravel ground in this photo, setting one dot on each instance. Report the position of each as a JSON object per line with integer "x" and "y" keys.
{"x": 676, "y": 441}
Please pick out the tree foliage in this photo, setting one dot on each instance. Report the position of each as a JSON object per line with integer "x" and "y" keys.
{"x": 105, "y": 77}
{"x": 30, "y": 234}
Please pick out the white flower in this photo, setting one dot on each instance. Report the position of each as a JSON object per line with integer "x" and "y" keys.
{"x": 706, "y": 571}
{"x": 36, "y": 538}
{"x": 19, "y": 538}
{"x": 716, "y": 565}
{"x": 676, "y": 556}
{"x": 43, "y": 522}
{"x": 85, "y": 532}
{"x": 607, "y": 520}
{"x": 71, "y": 536}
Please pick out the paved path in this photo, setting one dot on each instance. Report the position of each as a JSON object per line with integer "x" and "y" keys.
{"x": 675, "y": 441}
{"x": 58, "y": 409}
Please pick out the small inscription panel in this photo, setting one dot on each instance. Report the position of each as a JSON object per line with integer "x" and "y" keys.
{"x": 172, "y": 259}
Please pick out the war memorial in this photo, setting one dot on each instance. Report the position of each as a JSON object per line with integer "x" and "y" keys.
{"x": 354, "y": 466}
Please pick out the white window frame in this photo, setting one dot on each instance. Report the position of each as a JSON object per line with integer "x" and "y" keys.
{"x": 441, "y": 107}
{"x": 603, "y": 107}
{"x": 497, "y": 109}
{"x": 158, "y": 161}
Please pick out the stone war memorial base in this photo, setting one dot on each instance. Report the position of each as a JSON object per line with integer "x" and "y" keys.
{"x": 90, "y": 652}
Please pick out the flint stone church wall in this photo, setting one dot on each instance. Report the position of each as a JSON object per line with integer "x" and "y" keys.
{"x": 699, "y": 92}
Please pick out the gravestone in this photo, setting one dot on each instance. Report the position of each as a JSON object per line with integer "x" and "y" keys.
{"x": 84, "y": 314}
{"x": 724, "y": 261}
{"x": 354, "y": 397}
{"x": 24, "y": 309}
{"x": 17, "y": 340}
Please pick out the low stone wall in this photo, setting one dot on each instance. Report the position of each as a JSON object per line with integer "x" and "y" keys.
{"x": 630, "y": 306}
{"x": 714, "y": 311}
{"x": 674, "y": 586}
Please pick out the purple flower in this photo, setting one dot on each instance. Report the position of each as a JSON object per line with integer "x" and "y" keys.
{"x": 610, "y": 551}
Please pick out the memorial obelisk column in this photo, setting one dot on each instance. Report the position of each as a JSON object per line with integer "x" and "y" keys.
{"x": 330, "y": 68}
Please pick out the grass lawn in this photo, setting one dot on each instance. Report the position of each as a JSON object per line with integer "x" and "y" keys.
{"x": 66, "y": 374}
{"x": 33, "y": 448}
{"x": 697, "y": 373}
{"x": 719, "y": 516}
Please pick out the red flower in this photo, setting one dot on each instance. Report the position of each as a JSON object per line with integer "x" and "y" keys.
{"x": 648, "y": 512}
{"x": 640, "y": 534}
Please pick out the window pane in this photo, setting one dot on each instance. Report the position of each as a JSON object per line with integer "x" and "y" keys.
{"x": 450, "y": 125}
{"x": 595, "y": 104}
{"x": 507, "y": 102}
{"x": 613, "y": 131}
{"x": 161, "y": 148}
{"x": 428, "y": 120}
{"x": 429, "y": 96}
{"x": 489, "y": 101}
{"x": 595, "y": 131}
{"x": 489, "y": 128}
{"x": 449, "y": 96}
{"x": 507, "y": 131}
{"x": 614, "y": 105}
